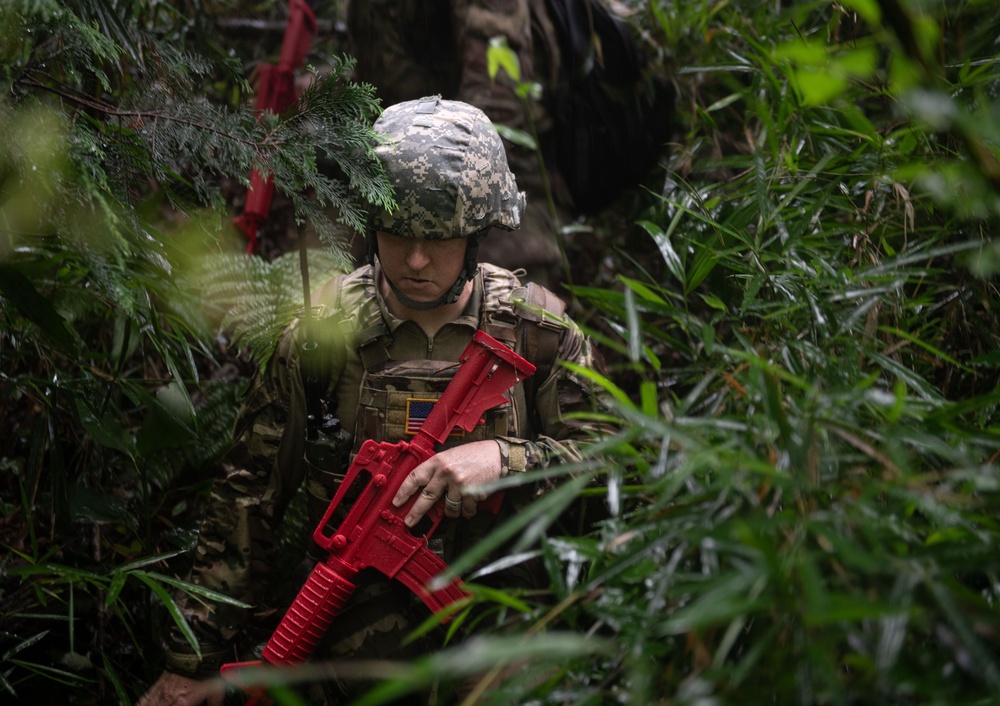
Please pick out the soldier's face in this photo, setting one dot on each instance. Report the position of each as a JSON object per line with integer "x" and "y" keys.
{"x": 421, "y": 269}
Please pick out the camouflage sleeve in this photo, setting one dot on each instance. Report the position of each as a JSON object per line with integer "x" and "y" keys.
{"x": 557, "y": 400}
{"x": 476, "y": 22}
{"x": 261, "y": 473}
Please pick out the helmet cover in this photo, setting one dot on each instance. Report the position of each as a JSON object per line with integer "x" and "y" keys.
{"x": 448, "y": 169}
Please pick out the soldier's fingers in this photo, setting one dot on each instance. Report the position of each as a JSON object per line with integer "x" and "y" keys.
{"x": 411, "y": 484}
{"x": 423, "y": 503}
{"x": 407, "y": 488}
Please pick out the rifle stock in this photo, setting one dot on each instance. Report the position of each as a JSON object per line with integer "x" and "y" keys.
{"x": 373, "y": 534}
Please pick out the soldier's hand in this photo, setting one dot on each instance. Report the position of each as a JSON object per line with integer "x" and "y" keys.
{"x": 449, "y": 474}
{"x": 176, "y": 690}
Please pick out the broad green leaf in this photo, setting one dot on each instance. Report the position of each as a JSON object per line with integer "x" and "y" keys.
{"x": 500, "y": 55}
{"x": 819, "y": 87}
{"x": 713, "y": 301}
{"x": 19, "y": 290}
{"x": 518, "y": 137}
{"x": 106, "y": 430}
{"x": 115, "y": 588}
{"x": 643, "y": 290}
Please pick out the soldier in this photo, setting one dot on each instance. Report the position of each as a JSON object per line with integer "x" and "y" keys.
{"x": 410, "y": 312}
{"x": 413, "y": 48}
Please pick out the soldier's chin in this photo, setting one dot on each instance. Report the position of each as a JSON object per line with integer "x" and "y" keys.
{"x": 423, "y": 292}
{"x": 419, "y": 301}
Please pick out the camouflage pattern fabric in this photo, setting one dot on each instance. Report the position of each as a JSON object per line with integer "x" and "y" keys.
{"x": 409, "y": 49}
{"x": 448, "y": 170}
{"x": 265, "y": 467}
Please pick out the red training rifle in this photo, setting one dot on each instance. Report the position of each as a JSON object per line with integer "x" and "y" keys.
{"x": 373, "y": 534}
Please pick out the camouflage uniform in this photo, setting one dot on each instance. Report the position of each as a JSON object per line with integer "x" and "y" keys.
{"x": 369, "y": 366}
{"x": 267, "y": 463}
{"x": 413, "y": 48}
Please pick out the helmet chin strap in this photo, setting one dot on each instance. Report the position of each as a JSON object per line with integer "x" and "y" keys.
{"x": 469, "y": 271}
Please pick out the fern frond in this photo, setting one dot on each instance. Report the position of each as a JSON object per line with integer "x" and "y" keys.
{"x": 254, "y": 300}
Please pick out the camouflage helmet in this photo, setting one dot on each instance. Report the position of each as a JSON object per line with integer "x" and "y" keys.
{"x": 448, "y": 169}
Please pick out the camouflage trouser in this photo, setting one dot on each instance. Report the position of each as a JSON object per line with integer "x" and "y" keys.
{"x": 409, "y": 49}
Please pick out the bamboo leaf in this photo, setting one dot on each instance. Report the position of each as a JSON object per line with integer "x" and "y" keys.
{"x": 172, "y": 609}
{"x": 188, "y": 587}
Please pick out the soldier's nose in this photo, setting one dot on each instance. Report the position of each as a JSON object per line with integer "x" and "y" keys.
{"x": 416, "y": 257}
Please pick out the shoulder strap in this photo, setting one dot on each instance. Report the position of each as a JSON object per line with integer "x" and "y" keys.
{"x": 543, "y": 311}
{"x": 529, "y": 319}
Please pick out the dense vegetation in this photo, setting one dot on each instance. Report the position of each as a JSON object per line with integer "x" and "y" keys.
{"x": 799, "y": 312}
